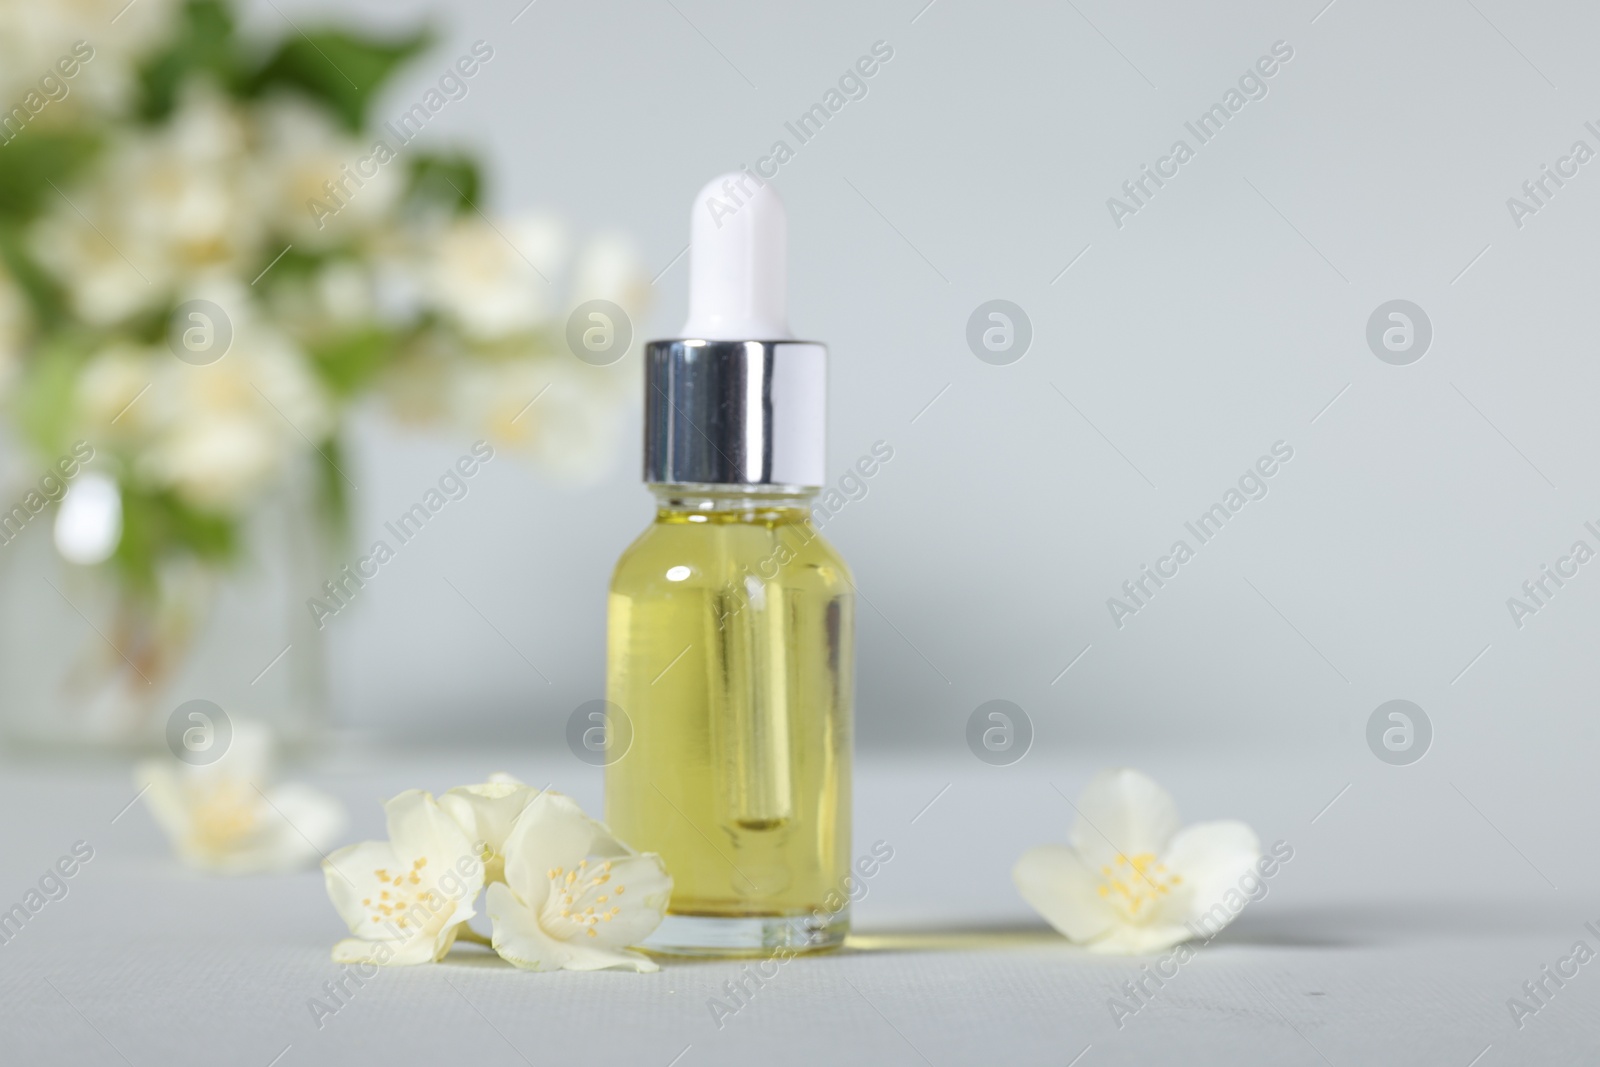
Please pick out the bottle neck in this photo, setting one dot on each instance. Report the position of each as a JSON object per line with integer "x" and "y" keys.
{"x": 701, "y": 502}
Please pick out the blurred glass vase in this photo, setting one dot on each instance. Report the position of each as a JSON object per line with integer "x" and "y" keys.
{"x": 191, "y": 289}
{"x": 88, "y": 661}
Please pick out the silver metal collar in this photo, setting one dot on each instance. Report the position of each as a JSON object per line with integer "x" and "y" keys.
{"x": 735, "y": 412}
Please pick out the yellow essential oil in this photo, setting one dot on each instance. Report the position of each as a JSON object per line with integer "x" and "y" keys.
{"x": 730, "y": 628}
{"x": 730, "y": 652}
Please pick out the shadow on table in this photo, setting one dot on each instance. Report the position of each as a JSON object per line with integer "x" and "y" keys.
{"x": 1366, "y": 924}
{"x": 1381, "y": 923}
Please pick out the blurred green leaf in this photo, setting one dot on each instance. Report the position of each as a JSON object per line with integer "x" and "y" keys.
{"x": 339, "y": 69}
{"x": 454, "y": 181}
{"x": 156, "y": 524}
{"x": 295, "y": 263}
{"x": 43, "y": 292}
{"x": 204, "y": 44}
{"x": 44, "y": 404}
{"x": 350, "y": 362}
{"x": 33, "y": 159}
{"x": 335, "y": 502}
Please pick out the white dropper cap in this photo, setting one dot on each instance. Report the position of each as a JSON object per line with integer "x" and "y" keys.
{"x": 735, "y": 399}
{"x": 738, "y": 262}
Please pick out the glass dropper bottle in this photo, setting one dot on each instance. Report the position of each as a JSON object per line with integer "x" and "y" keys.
{"x": 730, "y": 626}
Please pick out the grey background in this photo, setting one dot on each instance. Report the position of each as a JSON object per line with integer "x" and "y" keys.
{"x": 1225, "y": 316}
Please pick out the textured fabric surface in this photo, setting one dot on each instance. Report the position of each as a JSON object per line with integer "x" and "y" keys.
{"x": 1396, "y": 936}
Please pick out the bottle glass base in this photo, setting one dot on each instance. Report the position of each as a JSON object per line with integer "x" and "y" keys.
{"x": 744, "y": 936}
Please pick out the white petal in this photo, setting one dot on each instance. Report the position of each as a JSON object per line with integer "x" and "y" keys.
{"x": 1139, "y": 940}
{"x": 485, "y": 814}
{"x": 486, "y": 811}
{"x": 356, "y": 950}
{"x": 551, "y": 832}
{"x": 1123, "y": 811}
{"x": 1060, "y": 887}
{"x": 296, "y": 823}
{"x": 591, "y": 956}
{"x": 519, "y": 940}
{"x": 317, "y": 817}
{"x": 430, "y": 946}
{"x": 430, "y": 882}
{"x": 407, "y": 953}
{"x": 352, "y": 881}
{"x": 349, "y": 876}
{"x": 420, "y": 829}
{"x": 517, "y": 936}
{"x": 158, "y": 782}
{"x": 1212, "y": 858}
{"x": 648, "y": 891}
{"x": 503, "y": 778}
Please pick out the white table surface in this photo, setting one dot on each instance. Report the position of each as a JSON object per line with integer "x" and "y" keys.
{"x": 1416, "y": 905}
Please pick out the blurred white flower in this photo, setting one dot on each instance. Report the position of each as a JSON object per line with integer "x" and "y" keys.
{"x": 445, "y": 311}
{"x": 110, "y": 382}
{"x": 304, "y": 157}
{"x": 34, "y": 34}
{"x": 215, "y": 461}
{"x": 494, "y": 281}
{"x": 189, "y": 192}
{"x": 165, "y": 208}
{"x": 346, "y": 293}
{"x": 104, "y": 286}
{"x": 609, "y": 268}
{"x": 1131, "y": 881}
{"x": 225, "y": 818}
{"x": 572, "y": 430}
{"x": 220, "y": 433}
